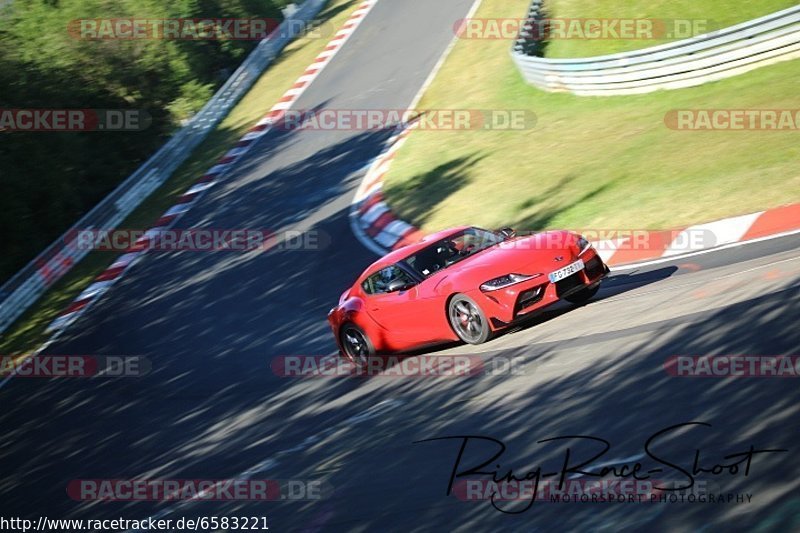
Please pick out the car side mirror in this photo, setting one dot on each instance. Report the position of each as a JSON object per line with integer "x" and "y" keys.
{"x": 508, "y": 233}
{"x": 397, "y": 285}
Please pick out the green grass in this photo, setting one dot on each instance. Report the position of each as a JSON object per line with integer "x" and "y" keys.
{"x": 28, "y": 332}
{"x": 709, "y": 14}
{"x": 598, "y": 162}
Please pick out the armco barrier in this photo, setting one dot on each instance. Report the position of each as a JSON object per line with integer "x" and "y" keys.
{"x": 709, "y": 57}
{"x": 27, "y": 285}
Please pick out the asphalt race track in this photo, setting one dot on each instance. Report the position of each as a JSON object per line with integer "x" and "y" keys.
{"x": 211, "y": 324}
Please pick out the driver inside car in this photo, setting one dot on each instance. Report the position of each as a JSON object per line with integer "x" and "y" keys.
{"x": 387, "y": 276}
{"x": 447, "y": 252}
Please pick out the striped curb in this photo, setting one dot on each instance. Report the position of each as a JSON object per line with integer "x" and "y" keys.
{"x": 214, "y": 175}
{"x": 371, "y": 218}
{"x": 380, "y": 230}
{"x": 674, "y": 243}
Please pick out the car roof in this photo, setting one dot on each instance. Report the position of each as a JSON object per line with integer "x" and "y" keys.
{"x": 401, "y": 253}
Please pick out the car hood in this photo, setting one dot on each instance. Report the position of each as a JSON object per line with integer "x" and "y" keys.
{"x": 535, "y": 254}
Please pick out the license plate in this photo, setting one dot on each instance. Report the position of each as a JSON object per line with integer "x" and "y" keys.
{"x": 567, "y": 271}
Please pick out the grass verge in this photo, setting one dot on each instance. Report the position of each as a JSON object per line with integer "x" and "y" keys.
{"x": 28, "y": 332}
{"x": 597, "y": 162}
{"x": 693, "y": 18}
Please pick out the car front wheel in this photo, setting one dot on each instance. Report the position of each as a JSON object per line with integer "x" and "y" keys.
{"x": 467, "y": 320}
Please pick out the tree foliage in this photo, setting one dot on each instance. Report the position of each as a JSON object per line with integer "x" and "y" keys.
{"x": 50, "y": 179}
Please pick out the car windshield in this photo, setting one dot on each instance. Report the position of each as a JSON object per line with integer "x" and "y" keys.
{"x": 451, "y": 250}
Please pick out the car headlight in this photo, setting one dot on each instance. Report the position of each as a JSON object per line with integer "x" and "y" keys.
{"x": 583, "y": 244}
{"x": 506, "y": 281}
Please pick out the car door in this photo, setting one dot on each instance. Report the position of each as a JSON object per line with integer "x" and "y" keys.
{"x": 398, "y": 312}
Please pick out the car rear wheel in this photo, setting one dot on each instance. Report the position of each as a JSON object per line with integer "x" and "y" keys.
{"x": 467, "y": 320}
{"x": 583, "y": 296}
{"x": 356, "y": 345}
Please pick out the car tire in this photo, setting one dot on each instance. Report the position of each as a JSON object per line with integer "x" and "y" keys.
{"x": 583, "y": 296}
{"x": 356, "y": 345}
{"x": 467, "y": 320}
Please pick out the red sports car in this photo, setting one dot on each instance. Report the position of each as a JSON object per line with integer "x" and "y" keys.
{"x": 464, "y": 283}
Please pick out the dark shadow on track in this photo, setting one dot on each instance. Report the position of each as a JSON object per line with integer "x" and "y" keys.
{"x": 614, "y": 285}
{"x": 625, "y": 399}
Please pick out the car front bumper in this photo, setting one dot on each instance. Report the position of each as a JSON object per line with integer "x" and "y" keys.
{"x": 522, "y": 299}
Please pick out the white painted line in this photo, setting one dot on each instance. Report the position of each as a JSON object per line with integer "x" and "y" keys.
{"x": 375, "y": 187}
{"x": 362, "y": 237}
{"x": 234, "y": 152}
{"x": 383, "y": 166}
{"x": 177, "y": 209}
{"x": 283, "y": 106}
{"x": 387, "y": 240}
{"x": 125, "y": 260}
{"x": 725, "y": 231}
{"x": 199, "y": 187}
{"x": 266, "y": 120}
{"x": 218, "y": 169}
{"x": 703, "y": 252}
{"x": 93, "y": 289}
{"x": 374, "y": 213}
{"x": 58, "y": 323}
{"x": 252, "y": 135}
{"x": 327, "y": 53}
{"x": 397, "y": 228}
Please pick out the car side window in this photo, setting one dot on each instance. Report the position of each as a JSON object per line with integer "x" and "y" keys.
{"x": 378, "y": 283}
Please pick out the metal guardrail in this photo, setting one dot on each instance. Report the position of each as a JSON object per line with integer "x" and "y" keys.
{"x": 27, "y": 285}
{"x": 689, "y": 62}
